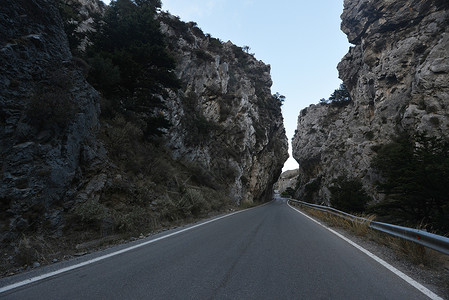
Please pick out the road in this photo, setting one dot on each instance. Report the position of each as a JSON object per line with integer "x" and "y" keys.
{"x": 268, "y": 252}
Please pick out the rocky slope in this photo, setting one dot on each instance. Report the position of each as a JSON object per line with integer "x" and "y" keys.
{"x": 398, "y": 76}
{"x": 68, "y": 171}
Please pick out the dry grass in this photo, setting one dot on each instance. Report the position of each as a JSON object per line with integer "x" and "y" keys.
{"x": 408, "y": 250}
{"x": 248, "y": 204}
{"x": 358, "y": 228}
{"x": 417, "y": 254}
{"x": 27, "y": 250}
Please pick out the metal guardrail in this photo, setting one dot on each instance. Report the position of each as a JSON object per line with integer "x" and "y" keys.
{"x": 430, "y": 240}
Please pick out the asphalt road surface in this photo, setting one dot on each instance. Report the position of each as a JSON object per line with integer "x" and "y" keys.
{"x": 268, "y": 252}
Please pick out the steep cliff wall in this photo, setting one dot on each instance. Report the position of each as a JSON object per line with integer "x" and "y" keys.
{"x": 48, "y": 115}
{"x": 225, "y": 118}
{"x": 398, "y": 77}
{"x": 70, "y": 174}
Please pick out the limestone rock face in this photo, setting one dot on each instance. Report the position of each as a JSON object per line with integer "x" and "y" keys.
{"x": 398, "y": 77}
{"x": 225, "y": 118}
{"x": 48, "y": 115}
{"x": 81, "y": 19}
{"x": 288, "y": 179}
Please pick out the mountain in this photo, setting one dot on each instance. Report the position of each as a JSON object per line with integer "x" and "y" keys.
{"x": 91, "y": 156}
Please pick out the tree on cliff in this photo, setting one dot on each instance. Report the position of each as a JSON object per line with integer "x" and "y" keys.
{"x": 416, "y": 181}
{"x": 280, "y": 99}
{"x": 340, "y": 96}
{"x": 130, "y": 62}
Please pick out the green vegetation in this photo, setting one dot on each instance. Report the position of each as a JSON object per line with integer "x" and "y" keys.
{"x": 416, "y": 181}
{"x": 239, "y": 53}
{"x": 288, "y": 193}
{"x": 279, "y": 98}
{"x": 214, "y": 43}
{"x": 348, "y": 195}
{"x": 130, "y": 64}
{"x": 200, "y": 128}
{"x": 52, "y": 105}
{"x": 340, "y": 97}
{"x": 152, "y": 190}
{"x": 311, "y": 189}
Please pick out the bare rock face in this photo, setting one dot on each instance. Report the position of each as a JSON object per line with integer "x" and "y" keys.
{"x": 48, "y": 116}
{"x": 398, "y": 77}
{"x": 80, "y": 19}
{"x": 288, "y": 179}
{"x": 225, "y": 118}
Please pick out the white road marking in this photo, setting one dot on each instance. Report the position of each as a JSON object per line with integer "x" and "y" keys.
{"x": 406, "y": 278}
{"x": 66, "y": 269}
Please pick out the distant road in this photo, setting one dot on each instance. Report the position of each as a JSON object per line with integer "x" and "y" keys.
{"x": 269, "y": 252}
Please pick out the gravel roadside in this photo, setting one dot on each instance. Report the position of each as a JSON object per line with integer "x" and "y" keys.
{"x": 432, "y": 272}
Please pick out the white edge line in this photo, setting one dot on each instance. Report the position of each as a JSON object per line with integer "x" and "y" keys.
{"x": 66, "y": 269}
{"x": 406, "y": 278}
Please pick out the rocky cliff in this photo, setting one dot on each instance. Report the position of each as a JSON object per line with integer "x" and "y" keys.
{"x": 225, "y": 117}
{"x": 288, "y": 179}
{"x": 397, "y": 74}
{"x": 70, "y": 174}
{"x": 49, "y": 118}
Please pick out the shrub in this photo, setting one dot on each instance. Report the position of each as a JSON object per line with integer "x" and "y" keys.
{"x": 289, "y": 192}
{"x": 123, "y": 136}
{"x": 415, "y": 181}
{"x": 201, "y": 176}
{"x": 348, "y": 195}
{"x": 69, "y": 13}
{"x": 30, "y": 249}
{"x": 280, "y": 99}
{"x": 104, "y": 75}
{"x": 240, "y": 54}
{"x": 340, "y": 97}
{"x": 311, "y": 189}
{"x": 180, "y": 27}
{"x": 195, "y": 202}
{"x": 91, "y": 212}
{"x": 53, "y": 107}
{"x": 203, "y": 55}
{"x": 131, "y": 62}
{"x": 134, "y": 220}
{"x": 214, "y": 44}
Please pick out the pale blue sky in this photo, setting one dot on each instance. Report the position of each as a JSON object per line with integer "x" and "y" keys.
{"x": 301, "y": 40}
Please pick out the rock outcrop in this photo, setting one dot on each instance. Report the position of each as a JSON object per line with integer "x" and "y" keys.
{"x": 288, "y": 179}
{"x": 398, "y": 77}
{"x": 225, "y": 118}
{"x": 48, "y": 114}
{"x": 80, "y": 18}
{"x": 54, "y": 160}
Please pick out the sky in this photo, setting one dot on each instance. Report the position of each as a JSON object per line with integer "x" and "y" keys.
{"x": 301, "y": 40}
